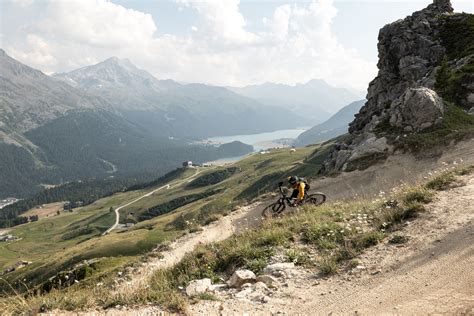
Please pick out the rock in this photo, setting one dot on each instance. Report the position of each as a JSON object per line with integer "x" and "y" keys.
{"x": 277, "y": 268}
{"x": 217, "y": 287}
{"x": 244, "y": 293}
{"x": 402, "y": 94}
{"x": 196, "y": 287}
{"x": 240, "y": 277}
{"x": 268, "y": 280}
{"x": 369, "y": 147}
{"x": 418, "y": 108}
{"x": 260, "y": 286}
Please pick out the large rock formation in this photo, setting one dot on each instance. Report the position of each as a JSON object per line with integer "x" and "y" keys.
{"x": 402, "y": 97}
{"x": 409, "y": 51}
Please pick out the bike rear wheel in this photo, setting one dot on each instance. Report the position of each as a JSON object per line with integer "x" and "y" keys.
{"x": 273, "y": 210}
{"x": 316, "y": 198}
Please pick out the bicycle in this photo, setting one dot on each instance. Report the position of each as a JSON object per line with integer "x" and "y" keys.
{"x": 275, "y": 209}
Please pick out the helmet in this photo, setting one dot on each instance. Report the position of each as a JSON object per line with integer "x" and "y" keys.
{"x": 293, "y": 179}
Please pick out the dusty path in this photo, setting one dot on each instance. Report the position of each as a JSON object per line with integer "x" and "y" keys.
{"x": 167, "y": 186}
{"x": 397, "y": 169}
{"x": 216, "y": 231}
{"x": 431, "y": 274}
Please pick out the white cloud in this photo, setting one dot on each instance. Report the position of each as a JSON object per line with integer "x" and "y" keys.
{"x": 296, "y": 45}
{"x": 222, "y": 22}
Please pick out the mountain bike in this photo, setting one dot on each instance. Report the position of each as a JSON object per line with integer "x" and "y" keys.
{"x": 275, "y": 209}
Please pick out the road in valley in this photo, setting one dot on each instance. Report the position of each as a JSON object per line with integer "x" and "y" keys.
{"x": 167, "y": 186}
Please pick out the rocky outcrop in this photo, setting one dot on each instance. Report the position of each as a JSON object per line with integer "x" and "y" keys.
{"x": 402, "y": 98}
{"x": 409, "y": 51}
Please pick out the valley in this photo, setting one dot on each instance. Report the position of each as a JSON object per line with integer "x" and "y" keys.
{"x": 146, "y": 196}
{"x": 80, "y": 233}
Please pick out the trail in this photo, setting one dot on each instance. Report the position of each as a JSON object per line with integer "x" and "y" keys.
{"x": 167, "y": 186}
{"x": 214, "y": 232}
{"x": 430, "y": 274}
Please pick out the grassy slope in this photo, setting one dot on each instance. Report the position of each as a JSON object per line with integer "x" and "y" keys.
{"x": 326, "y": 238}
{"x": 56, "y": 243}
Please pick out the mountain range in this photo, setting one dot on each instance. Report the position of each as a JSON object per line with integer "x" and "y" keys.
{"x": 336, "y": 125}
{"x": 314, "y": 99}
{"x": 165, "y": 107}
{"x": 114, "y": 119}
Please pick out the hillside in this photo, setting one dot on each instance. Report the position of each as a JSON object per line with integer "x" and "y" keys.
{"x": 194, "y": 197}
{"x": 30, "y": 98}
{"x": 124, "y": 259}
{"x": 314, "y": 99}
{"x": 336, "y": 125}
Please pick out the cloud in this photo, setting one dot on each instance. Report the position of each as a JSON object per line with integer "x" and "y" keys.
{"x": 295, "y": 45}
{"x": 222, "y": 23}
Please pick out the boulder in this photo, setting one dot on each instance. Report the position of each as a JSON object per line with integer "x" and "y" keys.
{"x": 471, "y": 111}
{"x": 369, "y": 147}
{"x": 196, "y": 287}
{"x": 240, "y": 277}
{"x": 419, "y": 108}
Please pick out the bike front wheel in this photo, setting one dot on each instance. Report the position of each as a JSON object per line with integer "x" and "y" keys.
{"x": 273, "y": 210}
{"x": 316, "y": 198}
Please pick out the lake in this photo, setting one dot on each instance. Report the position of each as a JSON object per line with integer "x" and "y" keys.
{"x": 260, "y": 141}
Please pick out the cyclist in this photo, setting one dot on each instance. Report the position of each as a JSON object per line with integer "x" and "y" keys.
{"x": 300, "y": 187}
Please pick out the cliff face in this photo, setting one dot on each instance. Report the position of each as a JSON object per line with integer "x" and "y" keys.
{"x": 409, "y": 50}
{"x": 404, "y": 97}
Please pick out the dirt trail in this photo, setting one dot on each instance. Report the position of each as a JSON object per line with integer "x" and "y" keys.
{"x": 166, "y": 186}
{"x": 216, "y": 231}
{"x": 430, "y": 274}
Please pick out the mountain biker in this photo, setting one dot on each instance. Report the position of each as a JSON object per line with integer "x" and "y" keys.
{"x": 300, "y": 187}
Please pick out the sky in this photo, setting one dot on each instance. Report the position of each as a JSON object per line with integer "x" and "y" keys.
{"x": 219, "y": 42}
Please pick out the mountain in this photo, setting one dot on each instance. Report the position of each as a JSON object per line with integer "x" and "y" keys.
{"x": 165, "y": 107}
{"x": 29, "y": 98}
{"x": 315, "y": 99}
{"x": 52, "y": 132}
{"x": 120, "y": 82}
{"x": 336, "y": 125}
{"x": 421, "y": 99}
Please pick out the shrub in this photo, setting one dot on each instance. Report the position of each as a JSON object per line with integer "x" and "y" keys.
{"x": 327, "y": 265}
{"x": 442, "y": 182}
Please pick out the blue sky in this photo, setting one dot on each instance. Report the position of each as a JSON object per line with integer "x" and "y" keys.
{"x": 222, "y": 42}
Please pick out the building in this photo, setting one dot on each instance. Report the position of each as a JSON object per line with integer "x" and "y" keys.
{"x": 187, "y": 164}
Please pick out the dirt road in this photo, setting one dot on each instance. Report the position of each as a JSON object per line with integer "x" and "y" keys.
{"x": 167, "y": 186}
{"x": 430, "y": 274}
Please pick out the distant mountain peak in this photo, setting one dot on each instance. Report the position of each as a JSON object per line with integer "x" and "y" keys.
{"x": 122, "y": 62}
